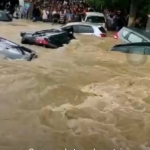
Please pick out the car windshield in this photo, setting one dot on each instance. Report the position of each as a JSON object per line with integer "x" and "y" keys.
{"x": 8, "y": 43}
{"x": 96, "y": 19}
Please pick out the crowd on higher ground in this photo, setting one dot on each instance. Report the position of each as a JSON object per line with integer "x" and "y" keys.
{"x": 68, "y": 11}
{"x": 58, "y": 11}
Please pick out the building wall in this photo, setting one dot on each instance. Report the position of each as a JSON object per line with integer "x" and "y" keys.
{"x": 21, "y": 2}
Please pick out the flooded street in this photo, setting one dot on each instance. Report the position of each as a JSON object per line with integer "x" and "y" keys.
{"x": 78, "y": 97}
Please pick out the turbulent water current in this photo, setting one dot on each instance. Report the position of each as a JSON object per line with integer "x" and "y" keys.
{"x": 80, "y": 96}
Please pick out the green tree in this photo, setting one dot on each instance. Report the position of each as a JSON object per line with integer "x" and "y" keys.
{"x": 135, "y": 7}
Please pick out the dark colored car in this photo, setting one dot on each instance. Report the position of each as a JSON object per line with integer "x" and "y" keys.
{"x": 52, "y": 38}
{"x": 131, "y": 35}
{"x": 5, "y": 16}
{"x": 10, "y": 50}
{"x": 133, "y": 48}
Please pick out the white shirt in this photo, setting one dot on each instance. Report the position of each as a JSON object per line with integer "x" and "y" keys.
{"x": 65, "y": 3}
{"x": 45, "y": 14}
{"x": 54, "y": 12}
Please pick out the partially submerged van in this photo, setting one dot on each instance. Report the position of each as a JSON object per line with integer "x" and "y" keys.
{"x": 95, "y": 17}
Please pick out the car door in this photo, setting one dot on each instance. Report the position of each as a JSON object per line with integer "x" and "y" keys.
{"x": 85, "y": 29}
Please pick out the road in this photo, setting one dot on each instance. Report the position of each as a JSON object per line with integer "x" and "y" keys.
{"x": 77, "y": 97}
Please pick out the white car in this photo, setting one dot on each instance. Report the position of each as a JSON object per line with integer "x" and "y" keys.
{"x": 86, "y": 28}
{"x": 95, "y": 18}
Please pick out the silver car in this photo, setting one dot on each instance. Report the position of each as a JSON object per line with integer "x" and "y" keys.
{"x": 131, "y": 35}
{"x": 86, "y": 28}
{"x": 10, "y": 50}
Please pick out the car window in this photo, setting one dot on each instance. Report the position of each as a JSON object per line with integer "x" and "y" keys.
{"x": 65, "y": 27}
{"x": 85, "y": 29}
{"x": 96, "y": 19}
{"x": 134, "y": 38}
{"x": 125, "y": 33}
{"x": 15, "y": 51}
{"x": 75, "y": 28}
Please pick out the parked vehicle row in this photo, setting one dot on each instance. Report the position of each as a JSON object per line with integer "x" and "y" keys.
{"x": 137, "y": 41}
{"x": 54, "y": 38}
{"x": 51, "y": 38}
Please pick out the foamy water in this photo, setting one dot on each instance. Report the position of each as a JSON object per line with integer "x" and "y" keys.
{"x": 78, "y": 97}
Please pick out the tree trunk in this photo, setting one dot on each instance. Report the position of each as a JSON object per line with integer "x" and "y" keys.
{"x": 132, "y": 13}
{"x": 148, "y": 20}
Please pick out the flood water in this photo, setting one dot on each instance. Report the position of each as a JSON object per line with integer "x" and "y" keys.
{"x": 77, "y": 97}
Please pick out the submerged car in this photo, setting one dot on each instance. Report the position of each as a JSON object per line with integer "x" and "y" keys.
{"x": 86, "y": 28}
{"x": 11, "y": 50}
{"x": 131, "y": 35}
{"x": 5, "y": 16}
{"x": 136, "y": 53}
{"x": 133, "y": 48}
{"x": 95, "y": 18}
{"x": 52, "y": 38}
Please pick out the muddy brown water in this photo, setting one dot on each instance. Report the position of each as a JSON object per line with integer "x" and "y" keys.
{"x": 77, "y": 97}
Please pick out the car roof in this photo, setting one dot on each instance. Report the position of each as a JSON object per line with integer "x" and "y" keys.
{"x": 95, "y": 14}
{"x": 139, "y": 31}
{"x": 83, "y": 23}
{"x": 54, "y": 33}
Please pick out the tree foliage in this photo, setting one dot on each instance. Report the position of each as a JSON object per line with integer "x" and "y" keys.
{"x": 133, "y": 7}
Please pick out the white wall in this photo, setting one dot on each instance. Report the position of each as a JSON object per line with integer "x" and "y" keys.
{"x": 21, "y": 2}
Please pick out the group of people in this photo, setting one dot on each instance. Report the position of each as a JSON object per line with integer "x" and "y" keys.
{"x": 64, "y": 11}
{"x": 57, "y": 11}
{"x": 117, "y": 19}
{"x": 71, "y": 11}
